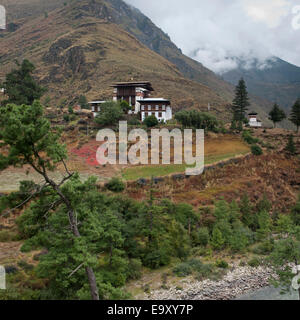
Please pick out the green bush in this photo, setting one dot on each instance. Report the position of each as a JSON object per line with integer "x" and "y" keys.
{"x": 115, "y": 185}
{"x": 66, "y": 117}
{"x": 183, "y": 270}
{"x": 256, "y": 150}
{"x": 222, "y": 264}
{"x": 247, "y": 136}
{"x": 150, "y": 121}
{"x": 264, "y": 248}
{"x": 201, "y": 237}
{"x": 254, "y": 263}
{"x": 198, "y": 120}
{"x": 111, "y": 113}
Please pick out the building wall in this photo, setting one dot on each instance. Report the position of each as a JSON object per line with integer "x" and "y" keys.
{"x": 160, "y": 110}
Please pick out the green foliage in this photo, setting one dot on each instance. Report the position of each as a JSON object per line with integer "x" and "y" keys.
{"x": 256, "y": 150}
{"x": 264, "y": 248}
{"x": 115, "y": 185}
{"x": 295, "y": 213}
{"x": 111, "y": 113}
{"x": 125, "y": 106}
{"x": 295, "y": 114}
{"x": 82, "y": 101}
{"x": 240, "y": 103}
{"x": 217, "y": 239}
{"x": 20, "y": 87}
{"x": 150, "y": 121}
{"x": 277, "y": 114}
{"x": 196, "y": 119}
{"x": 222, "y": 264}
{"x": 291, "y": 147}
{"x": 193, "y": 266}
{"x": 201, "y": 237}
{"x": 264, "y": 224}
{"x": 254, "y": 262}
{"x": 247, "y": 136}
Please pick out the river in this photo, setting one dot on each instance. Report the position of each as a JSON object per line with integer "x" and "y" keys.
{"x": 269, "y": 293}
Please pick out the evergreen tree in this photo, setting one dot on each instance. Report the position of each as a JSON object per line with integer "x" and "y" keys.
{"x": 217, "y": 239}
{"x": 295, "y": 114}
{"x": 277, "y": 114}
{"x": 285, "y": 257}
{"x": 29, "y": 140}
{"x": 240, "y": 103}
{"x": 20, "y": 87}
{"x": 82, "y": 101}
{"x": 290, "y": 147}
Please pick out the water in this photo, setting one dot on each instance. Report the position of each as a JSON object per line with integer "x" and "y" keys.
{"x": 269, "y": 293}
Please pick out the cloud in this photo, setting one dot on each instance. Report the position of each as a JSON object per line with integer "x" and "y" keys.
{"x": 216, "y": 32}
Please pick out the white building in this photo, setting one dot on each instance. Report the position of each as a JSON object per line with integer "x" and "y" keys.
{"x": 138, "y": 96}
{"x": 158, "y": 107}
{"x": 253, "y": 121}
{"x": 96, "y": 107}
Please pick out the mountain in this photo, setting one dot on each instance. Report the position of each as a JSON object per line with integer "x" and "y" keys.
{"x": 81, "y": 47}
{"x": 275, "y": 80}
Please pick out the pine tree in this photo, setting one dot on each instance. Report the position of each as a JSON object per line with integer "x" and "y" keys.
{"x": 82, "y": 101}
{"x": 290, "y": 147}
{"x": 217, "y": 239}
{"x": 277, "y": 114}
{"x": 20, "y": 87}
{"x": 240, "y": 103}
{"x": 27, "y": 136}
{"x": 295, "y": 114}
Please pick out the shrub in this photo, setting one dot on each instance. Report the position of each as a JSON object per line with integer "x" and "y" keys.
{"x": 111, "y": 113}
{"x": 198, "y": 120}
{"x": 151, "y": 121}
{"x": 115, "y": 185}
{"x": 256, "y": 150}
{"x": 249, "y": 138}
{"x": 254, "y": 262}
{"x": 183, "y": 270}
{"x": 201, "y": 237}
{"x": 222, "y": 264}
{"x": 66, "y": 117}
{"x": 264, "y": 248}
{"x": 135, "y": 269}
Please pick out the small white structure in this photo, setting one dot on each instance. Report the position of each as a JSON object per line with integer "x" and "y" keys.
{"x": 96, "y": 107}
{"x": 158, "y": 107}
{"x": 253, "y": 121}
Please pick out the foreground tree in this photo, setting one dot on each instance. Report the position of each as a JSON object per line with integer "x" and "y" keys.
{"x": 20, "y": 87}
{"x": 276, "y": 114}
{"x": 241, "y": 102}
{"x": 285, "y": 259}
{"x": 295, "y": 114}
{"x": 28, "y": 139}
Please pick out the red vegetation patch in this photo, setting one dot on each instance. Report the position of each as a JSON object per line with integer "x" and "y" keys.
{"x": 87, "y": 152}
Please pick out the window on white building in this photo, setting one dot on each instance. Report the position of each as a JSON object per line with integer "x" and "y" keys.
{"x": 149, "y": 107}
{"x": 143, "y": 108}
{"x": 164, "y": 107}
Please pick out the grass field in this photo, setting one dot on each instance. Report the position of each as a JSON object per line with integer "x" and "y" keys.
{"x": 215, "y": 150}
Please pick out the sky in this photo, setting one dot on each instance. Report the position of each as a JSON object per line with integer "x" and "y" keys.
{"x": 215, "y": 31}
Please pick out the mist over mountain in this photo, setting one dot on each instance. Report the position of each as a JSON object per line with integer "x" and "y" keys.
{"x": 273, "y": 79}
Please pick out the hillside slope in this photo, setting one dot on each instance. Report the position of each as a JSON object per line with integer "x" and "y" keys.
{"x": 72, "y": 35}
{"x": 80, "y": 53}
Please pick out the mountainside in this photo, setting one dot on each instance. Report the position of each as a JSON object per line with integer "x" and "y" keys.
{"x": 80, "y": 47}
{"x": 276, "y": 80}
